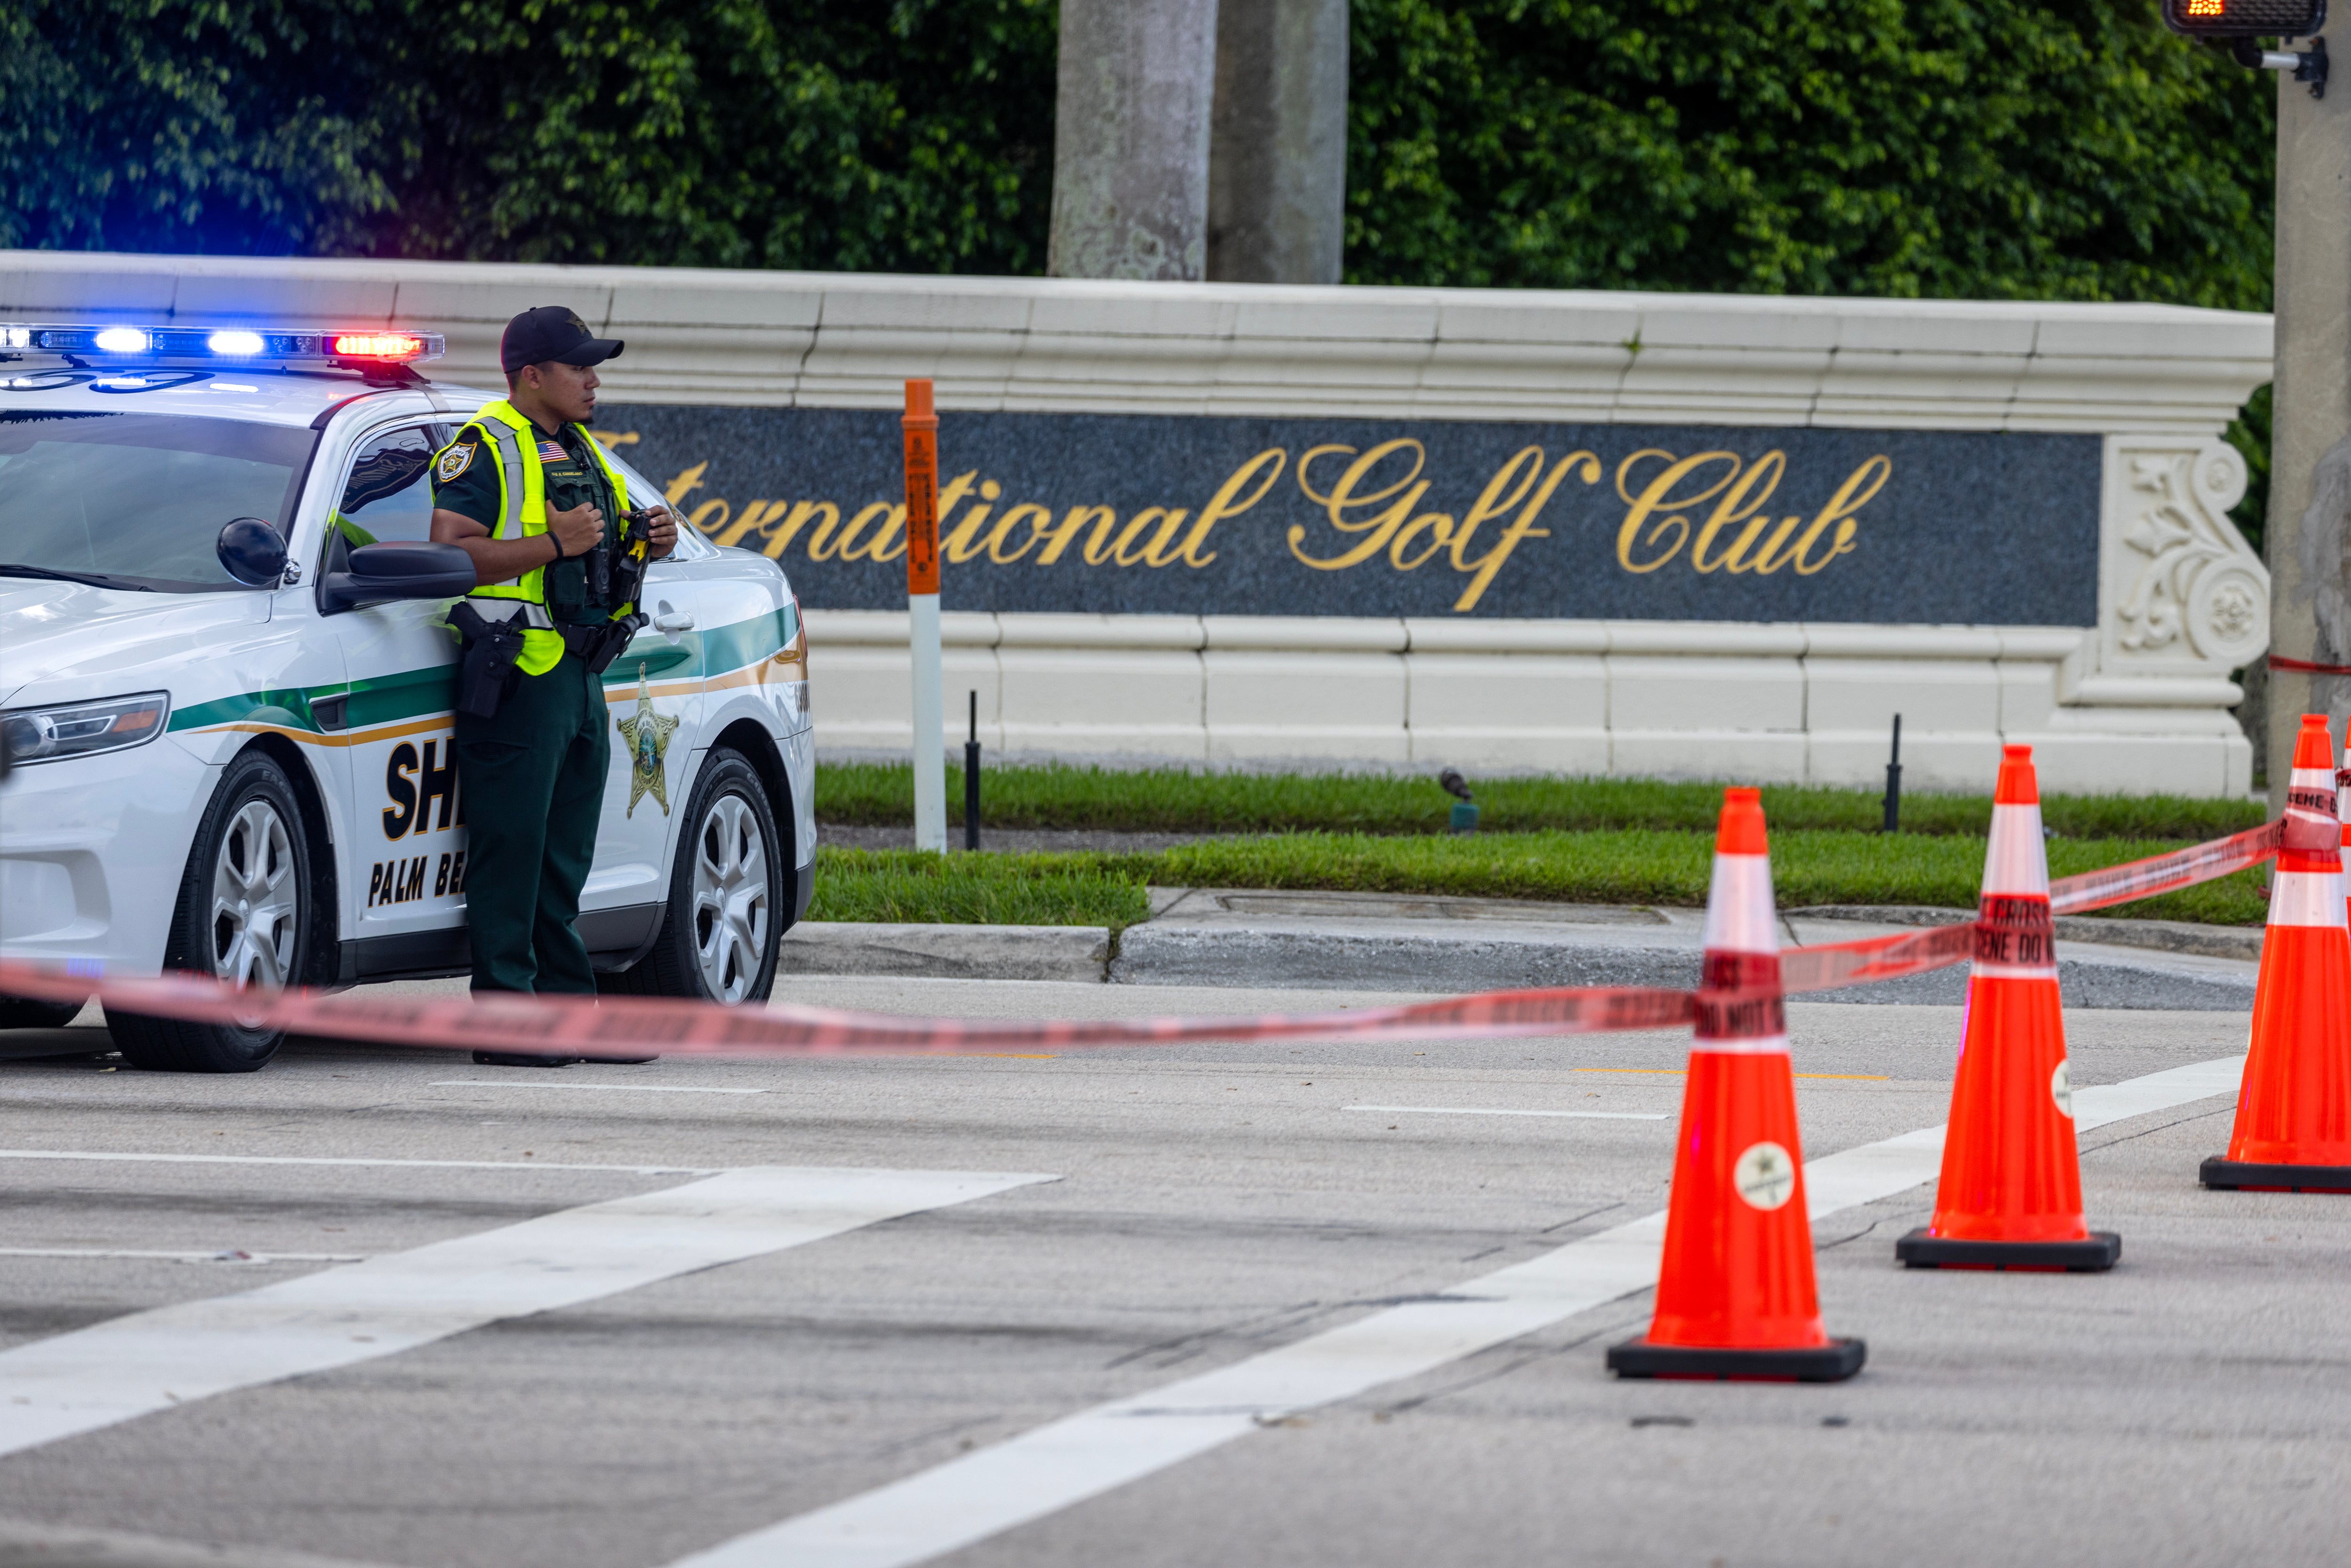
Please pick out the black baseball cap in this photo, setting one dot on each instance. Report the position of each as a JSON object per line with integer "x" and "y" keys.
{"x": 552, "y": 332}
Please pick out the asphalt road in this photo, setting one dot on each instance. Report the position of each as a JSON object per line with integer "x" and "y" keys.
{"x": 1076, "y": 1229}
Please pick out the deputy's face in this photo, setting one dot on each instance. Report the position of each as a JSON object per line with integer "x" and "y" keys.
{"x": 570, "y": 391}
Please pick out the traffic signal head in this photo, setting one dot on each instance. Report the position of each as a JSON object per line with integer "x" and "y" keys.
{"x": 2245, "y": 18}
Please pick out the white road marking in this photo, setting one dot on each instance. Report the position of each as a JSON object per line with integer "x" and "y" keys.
{"x": 217, "y": 1255}
{"x": 305, "y": 1160}
{"x": 1460, "y": 1111}
{"x": 632, "y": 1088}
{"x": 157, "y": 1359}
{"x": 1054, "y": 1467}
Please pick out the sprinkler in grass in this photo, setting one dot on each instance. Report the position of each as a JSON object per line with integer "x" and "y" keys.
{"x": 1464, "y": 809}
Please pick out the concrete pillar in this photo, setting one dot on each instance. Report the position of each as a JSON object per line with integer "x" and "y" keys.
{"x": 1278, "y": 165}
{"x": 2309, "y": 533}
{"x": 1131, "y": 140}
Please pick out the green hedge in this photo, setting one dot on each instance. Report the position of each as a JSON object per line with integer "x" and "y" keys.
{"x": 2066, "y": 149}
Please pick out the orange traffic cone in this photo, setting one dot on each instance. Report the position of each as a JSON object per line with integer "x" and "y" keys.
{"x": 2010, "y": 1192}
{"x": 1735, "y": 1295}
{"x": 2294, "y": 1113}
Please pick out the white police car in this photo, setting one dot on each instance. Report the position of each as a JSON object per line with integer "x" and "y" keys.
{"x": 226, "y": 692}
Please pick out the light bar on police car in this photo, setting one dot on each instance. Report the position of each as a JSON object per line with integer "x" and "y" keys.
{"x": 372, "y": 345}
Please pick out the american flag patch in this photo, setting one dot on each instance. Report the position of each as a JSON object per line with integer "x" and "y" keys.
{"x": 551, "y": 451}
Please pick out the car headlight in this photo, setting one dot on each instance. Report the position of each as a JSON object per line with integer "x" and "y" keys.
{"x": 77, "y": 729}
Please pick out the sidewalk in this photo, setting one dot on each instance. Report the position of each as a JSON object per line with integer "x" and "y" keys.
{"x": 1408, "y": 942}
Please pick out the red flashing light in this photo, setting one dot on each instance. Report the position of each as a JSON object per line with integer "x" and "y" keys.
{"x": 379, "y": 345}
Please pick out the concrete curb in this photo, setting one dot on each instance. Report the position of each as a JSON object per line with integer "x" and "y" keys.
{"x": 946, "y": 952}
{"x": 1443, "y": 961}
{"x": 1444, "y": 958}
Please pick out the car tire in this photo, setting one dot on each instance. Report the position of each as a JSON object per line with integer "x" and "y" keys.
{"x": 247, "y": 904}
{"x": 28, "y": 1012}
{"x": 724, "y": 923}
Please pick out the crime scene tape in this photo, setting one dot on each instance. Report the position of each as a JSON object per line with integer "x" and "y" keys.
{"x": 617, "y": 1025}
{"x": 628, "y": 1026}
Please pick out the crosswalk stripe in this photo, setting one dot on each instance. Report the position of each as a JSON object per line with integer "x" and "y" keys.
{"x": 158, "y": 1360}
{"x": 1065, "y": 1462}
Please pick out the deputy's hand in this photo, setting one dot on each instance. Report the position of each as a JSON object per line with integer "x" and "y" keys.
{"x": 578, "y": 529}
{"x": 661, "y": 528}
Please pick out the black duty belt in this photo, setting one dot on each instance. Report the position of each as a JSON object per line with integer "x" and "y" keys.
{"x": 581, "y": 642}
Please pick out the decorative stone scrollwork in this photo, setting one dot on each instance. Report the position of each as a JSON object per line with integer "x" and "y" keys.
{"x": 2190, "y": 588}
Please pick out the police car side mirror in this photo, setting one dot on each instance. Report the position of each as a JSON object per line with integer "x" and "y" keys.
{"x": 377, "y": 574}
{"x": 252, "y": 551}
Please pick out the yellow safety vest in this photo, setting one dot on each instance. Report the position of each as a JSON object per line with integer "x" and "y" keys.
{"x": 522, "y": 514}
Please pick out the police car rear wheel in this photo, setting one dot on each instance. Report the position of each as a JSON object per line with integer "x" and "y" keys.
{"x": 719, "y": 937}
{"x": 243, "y": 916}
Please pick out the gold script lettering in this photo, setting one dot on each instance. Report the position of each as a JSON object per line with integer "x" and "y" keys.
{"x": 780, "y": 536}
{"x": 1222, "y": 506}
{"x": 1859, "y": 487}
{"x": 1522, "y": 526}
{"x": 1657, "y": 496}
{"x": 963, "y": 542}
{"x": 1151, "y": 553}
{"x": 1036, "y": 516}
{"x": 691, "y": 479}
{"x": 1378, "y": 527}
{"x": 752, "y": 515}
{"x": 1740, "y": 504}
{"x": 1057, "y": 539}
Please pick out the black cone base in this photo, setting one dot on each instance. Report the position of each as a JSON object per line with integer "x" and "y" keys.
{"x": 1921, "y": 1249}
{"x": 2242, "y": 1177}
{"x": 1831, "y": 1363}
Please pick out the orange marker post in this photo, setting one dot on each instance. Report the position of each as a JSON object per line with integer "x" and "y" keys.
{"x": 920, "y": 424}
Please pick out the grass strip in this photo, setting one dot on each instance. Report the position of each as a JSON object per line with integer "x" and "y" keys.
{"x": 1621, "y": 866}
{"x": 908, "y": 886}
{"x": 1180, "y": 801}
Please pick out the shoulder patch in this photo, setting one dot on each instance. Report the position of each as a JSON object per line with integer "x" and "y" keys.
{"x": 455, "y": 461}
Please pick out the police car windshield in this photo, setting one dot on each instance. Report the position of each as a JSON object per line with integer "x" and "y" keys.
{"x": 139, "y": 498}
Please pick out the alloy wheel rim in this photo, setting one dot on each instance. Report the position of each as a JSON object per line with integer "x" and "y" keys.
{"x": 256, "y": 900}
{"x": 730, "y": 898}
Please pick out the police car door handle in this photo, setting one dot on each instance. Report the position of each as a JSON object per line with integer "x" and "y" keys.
{"x": 671, "y": 625}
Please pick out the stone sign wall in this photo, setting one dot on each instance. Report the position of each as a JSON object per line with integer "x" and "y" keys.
{"x": 1200, "y": 515}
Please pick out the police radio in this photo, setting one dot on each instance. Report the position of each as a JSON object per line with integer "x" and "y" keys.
{"x": 2237, "y": 25}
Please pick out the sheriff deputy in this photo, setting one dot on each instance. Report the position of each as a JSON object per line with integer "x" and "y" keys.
{"x": 526, "y": 492}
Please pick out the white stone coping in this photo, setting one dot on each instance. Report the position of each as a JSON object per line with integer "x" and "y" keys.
{"x": 1331, "y": 633}
{"x": 848, "y": 340}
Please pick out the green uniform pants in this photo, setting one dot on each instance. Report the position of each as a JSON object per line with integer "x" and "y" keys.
{"x": 534, "y": 784}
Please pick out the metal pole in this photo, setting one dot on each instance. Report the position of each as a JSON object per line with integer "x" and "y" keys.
{"x": 922, "y": 428}
{"x": 971, "y": 780}
{"x": 1894, "y": 781}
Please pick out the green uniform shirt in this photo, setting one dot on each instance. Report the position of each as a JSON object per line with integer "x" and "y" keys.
{"x": 573, "y": 475}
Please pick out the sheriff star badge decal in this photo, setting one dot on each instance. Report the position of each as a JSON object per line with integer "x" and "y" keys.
{"x": 646, "y": 733}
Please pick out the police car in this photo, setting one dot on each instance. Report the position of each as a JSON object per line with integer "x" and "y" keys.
{"x": 226, "y": 692}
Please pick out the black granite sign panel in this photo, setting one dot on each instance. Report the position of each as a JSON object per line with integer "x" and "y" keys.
{"x": 1138, "y": 514}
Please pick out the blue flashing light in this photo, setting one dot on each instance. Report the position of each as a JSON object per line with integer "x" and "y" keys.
{"x": 365, "y": 348}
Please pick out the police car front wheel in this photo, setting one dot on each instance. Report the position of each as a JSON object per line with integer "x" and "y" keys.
{"x": 244, "y": 914}
{"x": 719, "y": 938}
